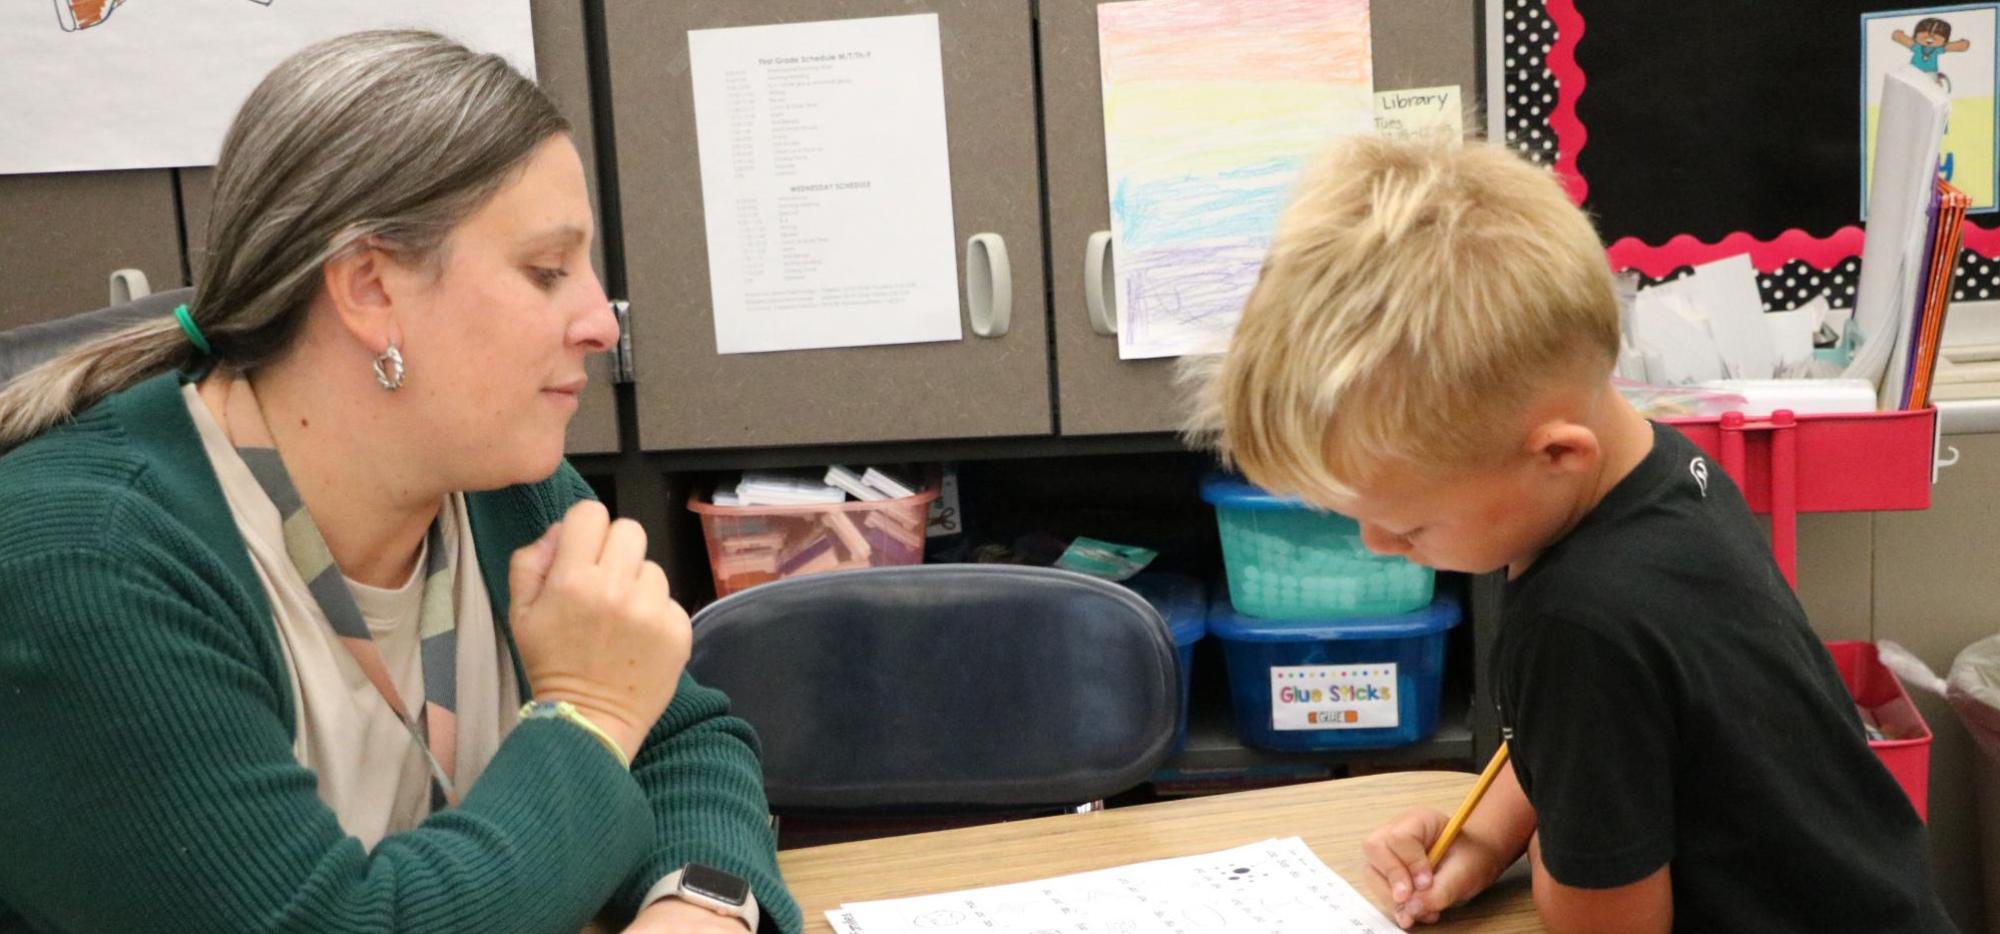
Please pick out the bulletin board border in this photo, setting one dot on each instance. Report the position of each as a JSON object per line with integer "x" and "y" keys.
{"x": 1536, "y": 101}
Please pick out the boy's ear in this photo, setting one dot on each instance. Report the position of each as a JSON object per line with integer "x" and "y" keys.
{"x": 1563, "y": 446}
{"x": 362, "y": 284}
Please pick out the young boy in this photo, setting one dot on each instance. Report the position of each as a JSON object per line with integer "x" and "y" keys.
{"x": 1428, "y": 351}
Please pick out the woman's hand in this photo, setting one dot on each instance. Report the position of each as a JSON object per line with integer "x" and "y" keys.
{"x": 596, "y": 623}
{"x": 676, "y": 916}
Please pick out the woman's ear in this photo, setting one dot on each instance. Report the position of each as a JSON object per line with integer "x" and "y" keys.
{"x": 365, "y": 285}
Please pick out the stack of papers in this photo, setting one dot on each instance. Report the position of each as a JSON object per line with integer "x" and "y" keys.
{"x": 768, "y": 488}
{"x": 1710, "y": 330}
{"x": 1894, "y": 254}
{"x": 810, "y": 487}
{"x": 1709, "y": 325}
{"x": 1274, "y": 886}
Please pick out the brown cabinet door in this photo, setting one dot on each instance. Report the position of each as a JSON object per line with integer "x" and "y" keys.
{"x": 691, "y": 397}
{"x": 562, "y": 69}
{"x": 61, "y": 237}
{"x": 1418, "y": 43}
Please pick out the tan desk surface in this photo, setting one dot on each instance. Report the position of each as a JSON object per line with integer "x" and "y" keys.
{"x": 1332, "y": 818}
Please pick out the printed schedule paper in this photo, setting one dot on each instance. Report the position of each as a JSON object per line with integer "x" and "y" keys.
{"x": 826, "y": 186}
{"x": 1273, "y": 887}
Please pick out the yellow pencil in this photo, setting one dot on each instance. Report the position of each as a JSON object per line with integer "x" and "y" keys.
{"x": 1457, "y": 821}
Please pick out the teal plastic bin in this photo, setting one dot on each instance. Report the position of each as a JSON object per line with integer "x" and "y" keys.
{"x": 1287, "y": 560}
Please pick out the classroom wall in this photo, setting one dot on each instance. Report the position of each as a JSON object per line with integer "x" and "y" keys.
{"x": 65, "y": 233}
{"x": 1923, "y": 579}
{"x": 1926, "y": 580}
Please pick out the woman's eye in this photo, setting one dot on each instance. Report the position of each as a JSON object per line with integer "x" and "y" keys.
{"x": 546, "y": 276}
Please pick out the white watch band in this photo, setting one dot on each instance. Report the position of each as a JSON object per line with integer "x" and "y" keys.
{"x": 669, "y": 886}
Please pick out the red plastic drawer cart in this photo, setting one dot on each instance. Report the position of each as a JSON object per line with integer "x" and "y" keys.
{"x": 1789, "y": 464}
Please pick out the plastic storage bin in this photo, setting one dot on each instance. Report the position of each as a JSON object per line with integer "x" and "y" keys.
{"x": 1308, "y": 685}
{"x": 1183, "y": 603}
{"x": 1287, "y": 560}
{"x": 1908, "y": 757}
{"x": 749, "y": 545}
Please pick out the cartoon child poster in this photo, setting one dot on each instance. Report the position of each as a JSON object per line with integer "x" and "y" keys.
{"x": 1953, "y": 46}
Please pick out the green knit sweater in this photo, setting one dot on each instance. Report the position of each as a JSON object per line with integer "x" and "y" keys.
{"x": 147, "y": 781}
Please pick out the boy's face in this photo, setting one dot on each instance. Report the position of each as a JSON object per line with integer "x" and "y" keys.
{"x": 1473, "y": 520}
{"x": 1929, "y": 38}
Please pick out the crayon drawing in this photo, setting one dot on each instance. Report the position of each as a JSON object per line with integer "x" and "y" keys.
{"x": 102, "y": 85}
{"x": 1210, "y": 109}
{"x": 73, "y": 15}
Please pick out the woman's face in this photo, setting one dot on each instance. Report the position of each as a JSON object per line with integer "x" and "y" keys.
{"x": 494, "y": 348}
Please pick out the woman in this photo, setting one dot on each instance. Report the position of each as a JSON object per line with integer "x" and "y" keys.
{"x": 277, "y": 575}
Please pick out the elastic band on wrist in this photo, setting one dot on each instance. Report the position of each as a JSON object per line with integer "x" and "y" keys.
{"x": 564, "y": 710}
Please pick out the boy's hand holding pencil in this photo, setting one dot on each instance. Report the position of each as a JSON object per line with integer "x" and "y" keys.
{"x": 1412, "y": 860}
{"x": 1403, "y": 873}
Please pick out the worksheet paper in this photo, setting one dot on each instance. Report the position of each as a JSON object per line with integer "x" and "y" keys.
{"x": 89, "y": 85}
{"x": 1211, "y": 107}
{"x": 1277, "y": 886}
{"x": 825, "y": 182}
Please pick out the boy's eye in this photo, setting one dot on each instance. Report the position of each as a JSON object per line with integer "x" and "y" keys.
{"x": 546, "y": 276}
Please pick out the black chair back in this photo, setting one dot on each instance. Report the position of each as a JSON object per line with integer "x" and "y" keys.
{"x": 945, "y": 686}
{"x": 28, "y": 346}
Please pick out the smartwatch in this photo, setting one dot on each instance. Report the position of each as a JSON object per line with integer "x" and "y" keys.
{"x": 718, "y": 891}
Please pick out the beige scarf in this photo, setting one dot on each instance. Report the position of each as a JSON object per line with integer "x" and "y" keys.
{"x": 371, "y": 772}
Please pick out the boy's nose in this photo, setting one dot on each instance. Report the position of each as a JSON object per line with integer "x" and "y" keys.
{"x": 1381, "y": 541}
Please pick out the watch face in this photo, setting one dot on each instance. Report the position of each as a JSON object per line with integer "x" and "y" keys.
{"x": 714, "y": 883}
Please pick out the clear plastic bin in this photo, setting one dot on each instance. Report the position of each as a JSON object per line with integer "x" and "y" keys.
{"x": 1287, "y": 560}
{"x": 750, "y": 545}
{"x": 1308, "y": 685}
{"x": 1183, "y": 602}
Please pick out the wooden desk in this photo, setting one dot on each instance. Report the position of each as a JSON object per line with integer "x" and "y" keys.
{"x": 1332, "y": 818}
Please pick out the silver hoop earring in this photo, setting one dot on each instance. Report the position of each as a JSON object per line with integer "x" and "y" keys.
{"x": 389, "y": 368}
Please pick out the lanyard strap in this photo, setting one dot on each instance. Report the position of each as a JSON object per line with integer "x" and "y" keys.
{"x": 436, "y": 625}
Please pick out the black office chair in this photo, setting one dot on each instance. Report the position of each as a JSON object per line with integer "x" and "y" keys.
{"x": 944, "y": 689}
{"x": 25, "y": 347}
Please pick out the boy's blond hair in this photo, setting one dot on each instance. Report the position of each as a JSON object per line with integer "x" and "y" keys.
{"x": 1418, "y": 295}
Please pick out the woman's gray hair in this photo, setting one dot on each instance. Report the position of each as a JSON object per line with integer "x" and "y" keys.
{"x": 389, "y": 138}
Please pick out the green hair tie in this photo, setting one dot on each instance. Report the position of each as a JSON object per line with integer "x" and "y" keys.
{"x": 193, "y": 333}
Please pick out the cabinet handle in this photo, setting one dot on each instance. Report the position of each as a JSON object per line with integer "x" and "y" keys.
{"x": 1100, "y": 284}
{"x": 129, "y": 285}
{"x": 622, "y": 368}
{"x": 989, "y": 284}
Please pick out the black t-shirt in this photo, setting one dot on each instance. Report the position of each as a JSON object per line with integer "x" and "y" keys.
{"x": 1666, "y": 702}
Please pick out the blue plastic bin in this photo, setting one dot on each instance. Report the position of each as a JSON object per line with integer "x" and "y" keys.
{"x": 1378, "y": 679}
{"x": 1183, "y": 602}
{"x": 1287, "y": 560}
